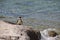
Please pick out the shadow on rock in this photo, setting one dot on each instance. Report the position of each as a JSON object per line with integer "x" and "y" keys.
{"x": 34, "y": 35}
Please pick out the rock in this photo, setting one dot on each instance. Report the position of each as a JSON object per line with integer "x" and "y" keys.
{"x": 52, "y": 36}
{"x": 52, "y": 33}
{"x": 34, "y": 35}
{"x": 18, "y": 32}
{"x": 45, "y": 32}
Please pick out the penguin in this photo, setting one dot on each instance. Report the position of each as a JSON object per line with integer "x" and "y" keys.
{"x": 19, "y": 21}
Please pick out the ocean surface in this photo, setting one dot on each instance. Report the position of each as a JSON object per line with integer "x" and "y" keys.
{"x": 33, "y": 12}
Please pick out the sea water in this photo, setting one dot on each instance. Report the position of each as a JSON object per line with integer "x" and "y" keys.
{"x": 33, "y": 12}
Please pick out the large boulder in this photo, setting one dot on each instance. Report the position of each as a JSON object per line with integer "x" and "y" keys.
{"x": 18, "y": 32}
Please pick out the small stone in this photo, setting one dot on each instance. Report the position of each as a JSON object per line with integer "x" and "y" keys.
{"x": 52, "y": 33}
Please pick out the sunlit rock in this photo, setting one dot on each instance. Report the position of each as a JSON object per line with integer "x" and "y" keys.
{"x": 10, "y": 31}
{"x": 49, "y": 34}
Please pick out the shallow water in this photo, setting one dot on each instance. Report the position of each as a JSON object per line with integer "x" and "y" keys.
{"x": 33, "y": 12}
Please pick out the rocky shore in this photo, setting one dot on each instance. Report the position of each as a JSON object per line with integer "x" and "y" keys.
{"x": 12, "y": 31}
